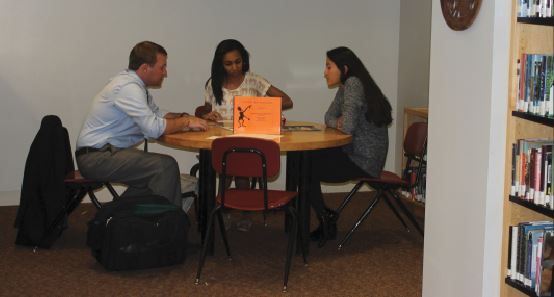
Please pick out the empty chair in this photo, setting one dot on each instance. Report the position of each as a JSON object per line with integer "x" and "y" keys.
{"x": 388, "y": 184}
{"x": 249, "y": 157}
{"x": 415, "y": 149}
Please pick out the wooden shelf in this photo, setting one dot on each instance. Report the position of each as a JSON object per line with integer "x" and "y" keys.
{"x": 530, "y": 205}
{"x": 528, "y": 36}
{"x": 535, "y": 118}
{"x": 525, "y": 290}
{"x": 537, "y": 21}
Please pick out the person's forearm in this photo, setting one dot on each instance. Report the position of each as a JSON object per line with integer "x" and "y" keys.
{"x": 286, "y": 103}
{"x": 173, "y": 115}
{"x": 176, "y": 124}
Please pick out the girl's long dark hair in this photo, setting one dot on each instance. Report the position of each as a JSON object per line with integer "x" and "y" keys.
{"x": 379, "y": 110}
{"x": 218, "y": 72}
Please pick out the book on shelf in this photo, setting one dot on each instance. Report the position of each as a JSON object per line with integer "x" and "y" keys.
{"x": 534, "y": 244}
{"x": 537, "y": 272}
{"x": 512, "y": 252}
{"x": 535, "y": 8}
{"x": 531, "y": 171}
{"x": 549, "y": 174}
{"x": 544, "y": 285}
{"x": 535, "y": 84}
{"x": 513, "y": 172}
{"x": 527, "y": 246}
{"x": 529, "y": 236}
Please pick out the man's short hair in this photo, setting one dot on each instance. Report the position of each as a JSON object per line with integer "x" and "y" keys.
{"x": 145, "y": 52}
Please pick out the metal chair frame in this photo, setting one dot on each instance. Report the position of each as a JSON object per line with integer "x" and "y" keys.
{"x": 217, "y": 211}
{"x": 388, "y": 184}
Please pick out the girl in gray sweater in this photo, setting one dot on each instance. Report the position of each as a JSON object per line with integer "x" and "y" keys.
{"x": 361, "y": 110}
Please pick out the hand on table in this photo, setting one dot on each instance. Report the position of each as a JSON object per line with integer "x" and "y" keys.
{"x": 197, "y": 124}
{"x": 339, "y": 123}
{"x": 212, "y": 116}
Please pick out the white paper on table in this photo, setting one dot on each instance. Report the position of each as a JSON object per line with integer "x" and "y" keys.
{"x": 262, "y": 136}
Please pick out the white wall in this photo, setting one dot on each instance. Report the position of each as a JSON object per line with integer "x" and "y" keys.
{"x": 57, "y": 54}
{"x": 467, "y": 133}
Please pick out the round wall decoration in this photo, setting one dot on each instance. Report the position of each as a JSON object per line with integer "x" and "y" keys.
{"x": 460, "y": 14}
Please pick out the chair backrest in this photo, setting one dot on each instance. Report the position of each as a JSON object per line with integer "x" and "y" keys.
{"x": 43, "y": 192}
{"x": 415, "y": 141}
{"x": 202, "y": 110}
{"x": 244, "y": 156}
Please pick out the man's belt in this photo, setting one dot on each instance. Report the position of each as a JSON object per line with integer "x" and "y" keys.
{"x": 89, "y": 149}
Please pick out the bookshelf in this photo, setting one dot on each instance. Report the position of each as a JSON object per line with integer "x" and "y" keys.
{"x": 534, "y": 118}
{"x": 536, "y": 21}
{"x": 529, "y": 36}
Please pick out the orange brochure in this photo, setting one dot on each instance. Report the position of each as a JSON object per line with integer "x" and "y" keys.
{"x": 257, "y": 115}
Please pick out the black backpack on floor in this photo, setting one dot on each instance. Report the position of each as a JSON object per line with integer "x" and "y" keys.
{"x": 138, "y": 232}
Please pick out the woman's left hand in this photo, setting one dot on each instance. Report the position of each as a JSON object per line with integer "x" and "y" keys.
{"x": 339, "y": 123}
{"x": 212, "y": 116}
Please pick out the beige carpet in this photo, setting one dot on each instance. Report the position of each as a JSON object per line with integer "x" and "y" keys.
{"x": 382, "y": 259}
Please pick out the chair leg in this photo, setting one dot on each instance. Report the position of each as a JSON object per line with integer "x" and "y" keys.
{"x": 395, "y": 211}
{"x": 406, "y": 211}
{"x": 253, "y": 183}
{"x": 197, "y": 212}
{"x": 75, "y": 200}
{"x": 302, "y": 247}
{"x": 420, "y": 180}
{"x": 195, "y": 205}
{"x": 205, "y": 244}
{"x": 291, "y": 246}
{"x": 299, "y": 234}
{"x": 93, "y": 198}
{"x": 223, "y": 233}
{"x": 361, "y": 219}
{"x": 349, "y": 197}
{"x": 112, "y": 191}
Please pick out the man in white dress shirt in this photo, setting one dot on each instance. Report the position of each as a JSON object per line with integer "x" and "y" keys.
{"x": 121, "y": 116}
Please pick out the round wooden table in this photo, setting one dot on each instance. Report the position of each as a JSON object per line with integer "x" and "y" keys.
{"x": 296, "y": 144}
{"x": 289, "y": 140}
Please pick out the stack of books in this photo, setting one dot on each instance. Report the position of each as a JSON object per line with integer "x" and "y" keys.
{"x": 532, "y": 171}
{"x": 535, "y": 84}
{"x": 531, "y": 256}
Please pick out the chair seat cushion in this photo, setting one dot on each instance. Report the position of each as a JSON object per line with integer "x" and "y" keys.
{"x": 253, "y": 199}
{"x": 386, "y": 178}
{"x": 75, "y": 177}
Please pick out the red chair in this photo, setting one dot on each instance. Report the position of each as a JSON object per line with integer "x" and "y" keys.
{"x": 249, "y": 157}
{"x": 82, "y": 186}
{"x": 388, "y": 184}
{"x": 51, "y": 188}
{"x": 202, "y": 110}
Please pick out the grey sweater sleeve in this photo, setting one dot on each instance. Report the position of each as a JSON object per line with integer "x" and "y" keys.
{"x": 347, "y": 104}
{"x": 352, "y": 105}
{"x": 369, "y": 146}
